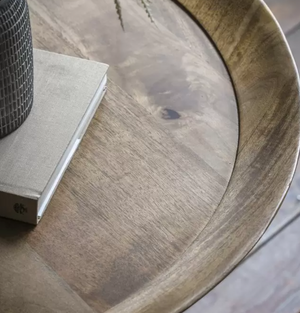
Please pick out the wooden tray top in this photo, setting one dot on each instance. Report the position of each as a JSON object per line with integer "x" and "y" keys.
{"x": 182, "y": 169}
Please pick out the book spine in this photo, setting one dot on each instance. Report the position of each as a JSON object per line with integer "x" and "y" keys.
{"x": 18, "y": 208}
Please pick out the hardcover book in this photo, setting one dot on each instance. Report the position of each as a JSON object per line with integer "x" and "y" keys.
{"x": 33, "y": 159}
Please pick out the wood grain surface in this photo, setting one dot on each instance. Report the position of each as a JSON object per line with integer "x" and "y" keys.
{"x": 28, "y": 284}
{"x": 117, "y": 199}
{"x": 140, "y": 222}
{"x": 268, "y": 282}
{"x": 290, "y": 208}
{"x": 283, "y": 296}
{"x": 255, "y": 183}
{"x": 154, "y": 164}
{"x": 167, "y": 87}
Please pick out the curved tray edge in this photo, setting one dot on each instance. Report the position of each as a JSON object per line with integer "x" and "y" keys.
{"x": 267, "y": 155}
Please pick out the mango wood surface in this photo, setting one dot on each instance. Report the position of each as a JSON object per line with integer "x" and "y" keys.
{"x": 248, "y": 287}
{"x": 269, "y": 124}
{"x": 291, "y": 208}
{"x": 157, "y": 70}
{"x": 267, "y": 282}
{"x": 284, "y": 11}
{"x": 137, "y": 224}
{"x": 150, "y": 172}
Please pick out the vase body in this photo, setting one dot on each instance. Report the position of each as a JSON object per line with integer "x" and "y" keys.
{"x": 16, "y": 65}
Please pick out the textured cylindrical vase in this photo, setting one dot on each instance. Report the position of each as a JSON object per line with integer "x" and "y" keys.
{"x": 16, "y": 65}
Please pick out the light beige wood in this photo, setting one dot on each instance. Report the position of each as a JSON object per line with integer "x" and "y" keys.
{"x": 137, "y": 224}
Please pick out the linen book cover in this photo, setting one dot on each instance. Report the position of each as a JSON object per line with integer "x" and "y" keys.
{"x": 33, "y": 159}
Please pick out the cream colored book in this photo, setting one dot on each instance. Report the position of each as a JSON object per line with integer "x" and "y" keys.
{"x": 34, "y": 158}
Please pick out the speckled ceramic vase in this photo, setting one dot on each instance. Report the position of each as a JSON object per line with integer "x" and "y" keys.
{"x": 16, "y": 65}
